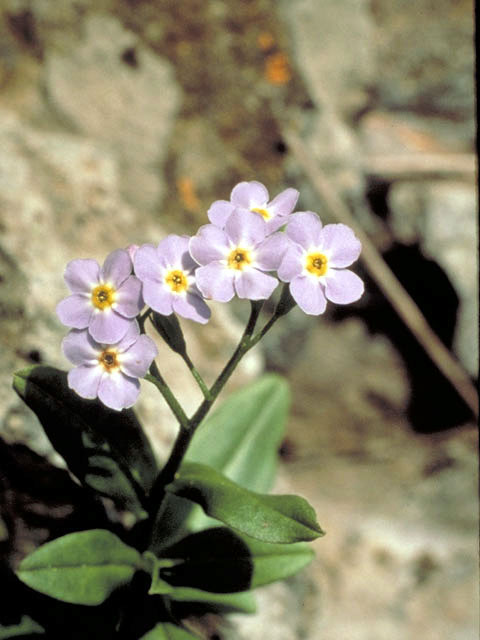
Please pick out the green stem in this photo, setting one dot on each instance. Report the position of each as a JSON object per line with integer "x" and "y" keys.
{"x": 198, "y": 378}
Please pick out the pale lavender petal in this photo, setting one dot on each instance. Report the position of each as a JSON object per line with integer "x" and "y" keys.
{"x": 75, "y": 311}
{"x": 130, "y": 337}
{"x": 116, "y": 268}
{"x": 215, "y": 281}
{"x": 108, "y": 326}
{"x": 192, "y": 307}
{"x": 129, "y": 301}
{"x": 269, "y": 255}
{"x": 304, "y": 228}
{"x": 219, "y": 212}
{"x": 275, "y": 223}
{"x": 158, "y": 297}
{"x": 341, "y": 243}
{"x": 85, "y": 380}
{"x": 245, "y": 230}
{"x": 132, "y": 250}
{"x": 80, "y": 348}
{"x": 249, "y": 194}
{"x": 284, "y": 203}
{"x": 136, "y": 360}
{"x": 118, "y": 391}
{"x": 210, "y": 244}
{"x": 172, "y": 248}
{"x": 308, "y": 294}
{"x": 82, "y": 275}
{"x": 254, "y": 285}
{"x": 146, "y": 263}
{"x": 292, "y": 263}
{"x": 343, "y": 286}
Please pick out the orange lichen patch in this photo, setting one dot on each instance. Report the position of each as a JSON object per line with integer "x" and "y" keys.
{"x": 188, "y": 196}
{"x": 277, "y": 69}
{"x": 265, "y": 41}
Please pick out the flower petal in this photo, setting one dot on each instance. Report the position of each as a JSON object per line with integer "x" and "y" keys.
{"x": 341, "y": 243}
{"x": 292, "y": 263}
{"x": 172, "y": 249}
{"x": 82, "y": 275}
{"x": 158, "y": 297}
{"x": 108, "y": 326}
{"x": 343, "y": 286}
{"x": 75, "y": 311}
{"x": 116, "y": 268}
{"x": 191, "y": 306}
{"x": 249, "y": 194}
{"x": 131, "y": 336}
{"x": 308, "y": 294}
{"x": 147, "y": 264}
{"x": 219, "y": 212}
{"x": 284, "y": 203}
{"x": 304, "y": 229}
{"x": 269, "y": 255}
{"x": 245, "y": 230}
{"x": 210, "y": 243}
{"x": 118, "y": 391}
{"x": 136, "y": 360}
{"x": 129, "y": 301}
{"x": 80, "y": 348}
{"x": 215, "y": 281}
{"x": 254, "y": 285}
{"x": 85, "y": 380}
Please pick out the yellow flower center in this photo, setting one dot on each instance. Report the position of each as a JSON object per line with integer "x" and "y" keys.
{"x": 103, "y": 296}
{"x": 266, "y": 215}
{"x": 177, "y": 281}
{"x": 108, "y": 360}
{"x": 239, "y": 258}
{"x": 317, "y": 264}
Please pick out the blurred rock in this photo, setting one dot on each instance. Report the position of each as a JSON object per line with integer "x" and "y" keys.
{"x": 109, "y": 87}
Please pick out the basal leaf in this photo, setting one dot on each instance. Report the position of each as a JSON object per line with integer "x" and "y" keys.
{"x": 243, "y": 602}
{"x": 107, "y": 450}
{"x": 269, "y": 518}
{"x": 80, "y": 568}
{"x": 24, "y": 628}
{"x": 222, "y": 561}
{"x": 168, "y": 631}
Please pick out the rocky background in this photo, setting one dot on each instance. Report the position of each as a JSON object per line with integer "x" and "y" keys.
{"x": 122, "y": 120}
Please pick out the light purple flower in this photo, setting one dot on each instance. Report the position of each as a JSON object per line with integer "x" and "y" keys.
{"x": 109, "y": 371}
{"x": 168, "y": 276}
{"x": 315, "y": 260}
{"x": 105, "y": 300}
{"x": 234, "y": 259}
{"x": 252, "y": 197}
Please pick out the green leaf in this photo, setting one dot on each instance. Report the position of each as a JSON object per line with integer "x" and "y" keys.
{"x": 242, "y": 437}
{"x": 243, "y": 602}
{"x": 222, "y": 561}
{"x": 25, "y": 627}
{"x": 241, "y": 440}
{"x": 168, "y": 631}
{"x": 107, "y": 450}
{"x": 278, "y": 519}
{"x": 80, "y": 568}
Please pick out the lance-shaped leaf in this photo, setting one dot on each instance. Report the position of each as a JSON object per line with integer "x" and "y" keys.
{"x": 184, "y": 599}
{"x": 81, "y": 568}
{"x": 241, "y": 440}
{"x": 222, "y": 561}
{"x": 25, "y": 628}
{"x": 107, "y": 450}
{"x": 277, "y": 519}
{"x": 168, "y": 631}
{"x": 242, "y": 437}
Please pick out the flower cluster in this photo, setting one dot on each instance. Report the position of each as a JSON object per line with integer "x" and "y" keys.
{"x": 250, "y": 245}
